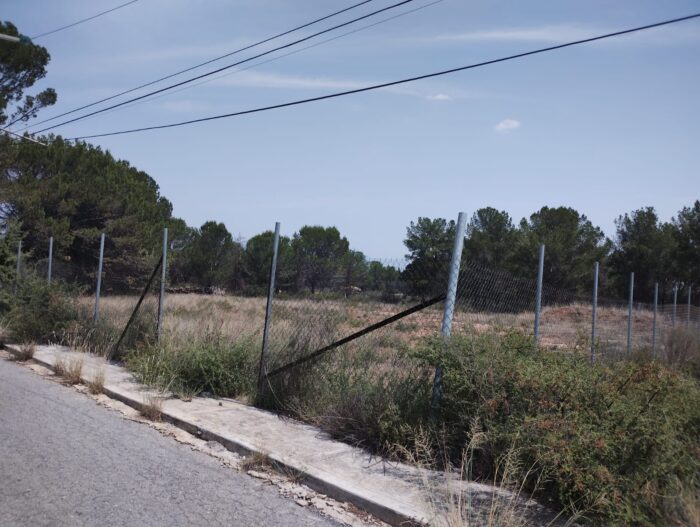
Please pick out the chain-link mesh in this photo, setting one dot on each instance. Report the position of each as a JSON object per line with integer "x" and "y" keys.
{"x": 305, "y": 320}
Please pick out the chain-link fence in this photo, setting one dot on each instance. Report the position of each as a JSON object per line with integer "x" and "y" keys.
{"x": 335, "y": 305}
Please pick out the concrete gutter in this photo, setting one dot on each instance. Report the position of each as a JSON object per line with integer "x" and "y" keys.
{"x": 393, "y": 492}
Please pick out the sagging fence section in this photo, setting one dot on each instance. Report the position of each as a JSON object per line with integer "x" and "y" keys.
{"x": 298, "y": 325}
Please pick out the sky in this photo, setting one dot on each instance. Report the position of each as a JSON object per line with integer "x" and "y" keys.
{"x": 605, "y": 128}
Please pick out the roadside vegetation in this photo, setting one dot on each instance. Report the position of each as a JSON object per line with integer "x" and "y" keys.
{"x": 617, "y": 443}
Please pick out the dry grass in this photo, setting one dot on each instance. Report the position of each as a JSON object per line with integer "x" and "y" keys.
{"x": 97, "y": 383}
{"x": 255, "y": 461}
{"x": 152, "y": 408}
{"x": 454, "y": 501}
{"x": 73, "y": 371}
{"x": 25, "y": 353}
{"x": 59, "y": 367}
{"x": 309, "y": 323}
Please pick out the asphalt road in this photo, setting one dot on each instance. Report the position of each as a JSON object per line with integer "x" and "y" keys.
{"x": 66, "y": 461}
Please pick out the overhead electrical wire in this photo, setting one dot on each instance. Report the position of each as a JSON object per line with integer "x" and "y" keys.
{"x": 171, "y": 75}
{"x": 273, "y": 59}
{"x": 223, "y": 68}
{"x": 41, "y": 35}
{"x": 395, "y": 83}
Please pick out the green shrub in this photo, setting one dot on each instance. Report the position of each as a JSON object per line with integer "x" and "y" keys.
{"x": 40, "y": 312}
{"x": 358, "y": 395}
{"x": 612, "y": 440}
{"x": 204, "y": 363}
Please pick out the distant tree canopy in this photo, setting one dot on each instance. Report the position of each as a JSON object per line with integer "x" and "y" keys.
{"x": 75, "y": 192}
{"x": 667, "y": 253}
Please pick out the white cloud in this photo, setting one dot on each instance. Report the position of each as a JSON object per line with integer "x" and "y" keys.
{"x": 506, "y": 125}
{"x": 560, "y": 33}
{"x": 274, "y": 80}
{"x": 439, "y": 97}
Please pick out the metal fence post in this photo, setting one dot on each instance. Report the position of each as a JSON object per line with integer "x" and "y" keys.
{"x": 687, "y": 315}
{"x": 538, "y": 295}
{"x": 19, "y": 265}
{"x": 48, "y": 272}
{"x": 675, "y": 303}
{"x": 630, "y": 314}
{"x": 98, "y": 288}
{"x": 19, "y": 258}
{"x": 450, "y": 299}
{"x": 653, "y": 326}
{"x": 161, "y": 299}
{"x": 262, "y": 371}
{"x": 594, "y": 310}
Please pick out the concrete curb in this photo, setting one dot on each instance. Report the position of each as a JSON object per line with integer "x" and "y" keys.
{"x": 314, "y": 479}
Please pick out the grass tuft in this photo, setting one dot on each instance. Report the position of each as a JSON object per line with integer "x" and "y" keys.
{"x": 74, "y": 371}
{"x": 97, "y": 383}
{"x": 255, "y": 461}
{"x": 152, "y": 408}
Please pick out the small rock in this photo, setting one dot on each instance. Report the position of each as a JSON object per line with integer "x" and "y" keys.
{"x": 302, "y": 503}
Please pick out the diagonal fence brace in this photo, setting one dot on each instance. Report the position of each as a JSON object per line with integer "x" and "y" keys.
{"x": 136, "y": 309}
{"x": 358, "y": 334}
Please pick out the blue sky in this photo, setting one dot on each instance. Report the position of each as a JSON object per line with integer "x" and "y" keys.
{"x": 605, "y": 128}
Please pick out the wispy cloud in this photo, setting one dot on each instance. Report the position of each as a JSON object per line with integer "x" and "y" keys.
{"x": 439, "y": 97}
{"x": 256, "y": 79}
{"x": 559, "y": 33}
{"x": 507, "y": 125}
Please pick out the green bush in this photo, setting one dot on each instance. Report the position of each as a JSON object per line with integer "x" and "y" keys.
{"x": 39, "y": 312}
{"x": 613, "y": 441}
{"x": 360, "y": 396}
{"x": 204, "y": 363}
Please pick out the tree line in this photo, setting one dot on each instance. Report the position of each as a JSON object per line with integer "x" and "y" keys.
{"x": 73, "y": 192}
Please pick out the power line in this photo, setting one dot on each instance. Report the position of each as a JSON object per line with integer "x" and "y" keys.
{"x": 273, "y": 59}
{"x": 130, "y": 90}
{"x": 192, "y": 79}
{"x": 83, "y": 20}
{"x": 394, "y": 83}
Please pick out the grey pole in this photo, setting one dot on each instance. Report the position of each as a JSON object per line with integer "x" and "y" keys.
{"x": 19, "y": 265}
{"x": 594, "y": 309}
{"x": 687, "y": 315}
{"x": 98, "y": 288}
{"x": 538, "y": 296}
{"x": 629, "y": 315}
{"x": 262, "y": 371}
{"x": 19, "y": 258}
{"x": 675, "y": 303}
{"x": 163, "y": 274}
{"x": 653, "y": 326}
{"x": 450, "y": 299}
{"x": 48, "y": 273}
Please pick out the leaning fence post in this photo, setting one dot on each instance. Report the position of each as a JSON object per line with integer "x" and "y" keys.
{"x": 98, "y": 288}
{"x": 450, "y": 299}
{"x": 594, "y": 309}
{"x": 538, "y": 295}
{"x": 653, "y": 325}
{"x": 48, "y": 272}
{"x": 262, "y": 371}
{"x": 687, "y": 315}
{"x": 675, "y": 303}
{"x": 629, "y": 314}
{"x": 161, "y": 299}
